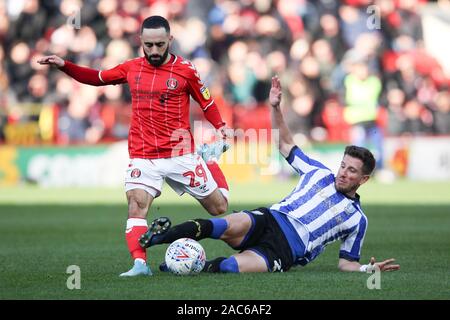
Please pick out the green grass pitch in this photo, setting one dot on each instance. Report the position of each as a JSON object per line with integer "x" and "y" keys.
{"x": 43, "y": 231}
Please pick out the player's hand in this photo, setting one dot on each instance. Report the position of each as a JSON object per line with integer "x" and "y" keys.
{"x": 51, "y": 60}
{"x": 275, "y": 92}
{"x": 225, "y": 132}
{"x": 384, "y": 265}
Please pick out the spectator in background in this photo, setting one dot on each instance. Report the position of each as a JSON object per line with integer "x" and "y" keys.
{"x": 361, "y": 97}
{"x": 30, "y": 24}
{"x": 38, "y": 88}
{"x": 242, "y": 79}
{"x": 310, "y": 70}
{"x": 4, "y": 23}
{"x": 4, "y": 91}
{"x": 396, "y": 115}
{"x": 323, "y": 53}
{"x": 333, "y": 119}
{"x": 298, "y": 112}
{"x": 419, "y": 119}
{"x": 407, "y": 77}
{"x": 77, "y": 117}
{"x": 295, "y": 35}
{"x": 353, "y": 24}
{"x": 115, "y": 118}
{"x": 409, "y": 22}
{"x": 442, "y": 112}
{"x": 19, "y": 69}
{"x": 331, "y": 33}
{"x": 4, "y": 80}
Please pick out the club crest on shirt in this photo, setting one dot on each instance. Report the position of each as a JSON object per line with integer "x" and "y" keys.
{"x": 135, "y": 173}
{"x": 349, "y": 209}
{"x": 172, "y": 83}
{"x": 205, "y": 93}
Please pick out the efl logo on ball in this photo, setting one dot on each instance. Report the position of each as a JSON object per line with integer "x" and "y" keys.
{"x": 185, "y": 257}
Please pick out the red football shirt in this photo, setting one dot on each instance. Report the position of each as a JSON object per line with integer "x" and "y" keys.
{"x": 160, "y": 125}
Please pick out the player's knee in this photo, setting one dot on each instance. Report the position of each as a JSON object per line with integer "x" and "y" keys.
{"x": 137, "y": 208}
{"x": 138, "y": 203}
{"x": 216, "y": 211}
{"x": 222, "y": 208}
{"x": 219, "y": 208}
{"x": 229, "y": 265}
{"x": 215, "y": 203}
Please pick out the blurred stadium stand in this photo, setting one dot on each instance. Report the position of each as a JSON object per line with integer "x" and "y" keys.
{"x": 322, "y": 50}
{"x": 351, "y": 70}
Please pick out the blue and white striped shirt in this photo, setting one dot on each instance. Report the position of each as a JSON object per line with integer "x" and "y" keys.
{"x": 315, "y": 214}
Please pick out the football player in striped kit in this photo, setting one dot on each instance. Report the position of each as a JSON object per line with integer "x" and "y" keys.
{"x": 321, "y": 209}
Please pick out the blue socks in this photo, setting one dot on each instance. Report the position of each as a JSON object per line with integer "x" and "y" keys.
{"x": 229, "y": 265}
{"x": 219, "y": 227}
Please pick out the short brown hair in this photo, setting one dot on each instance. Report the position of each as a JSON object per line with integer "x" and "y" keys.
{"x": 364, "y": 155}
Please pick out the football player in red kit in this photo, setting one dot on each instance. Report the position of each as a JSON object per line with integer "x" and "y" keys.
{"x": 160, "y": 144}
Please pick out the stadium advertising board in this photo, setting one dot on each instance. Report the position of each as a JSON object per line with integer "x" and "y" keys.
{"x": 419, "y": 158}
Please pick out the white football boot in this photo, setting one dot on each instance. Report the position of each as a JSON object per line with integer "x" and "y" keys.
{"x": 140, "y": 268}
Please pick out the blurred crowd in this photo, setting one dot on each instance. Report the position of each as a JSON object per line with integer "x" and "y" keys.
{"x": 349, "y": 73}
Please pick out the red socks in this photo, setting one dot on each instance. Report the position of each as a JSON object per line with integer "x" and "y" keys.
{"x": 135, "y": 228}
{"x": 218, "y": 176}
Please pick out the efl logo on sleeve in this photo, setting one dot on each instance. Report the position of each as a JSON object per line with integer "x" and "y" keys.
{"x": 205, "y": 93}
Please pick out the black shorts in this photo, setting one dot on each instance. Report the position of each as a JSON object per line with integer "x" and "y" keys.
{"x": 267, "y": 240}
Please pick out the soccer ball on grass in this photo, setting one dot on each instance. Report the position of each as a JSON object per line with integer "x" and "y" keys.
{"x": 185, "y": 257}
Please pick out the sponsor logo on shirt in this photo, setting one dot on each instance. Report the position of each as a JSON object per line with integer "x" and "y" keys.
{"x": 205, "y": 93}
{"x": 148, "y": 95}
{"x": 349, "y": 209}
{"x": 172, "y": 83}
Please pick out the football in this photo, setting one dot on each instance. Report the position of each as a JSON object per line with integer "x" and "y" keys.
{"x": 185, "y": 257}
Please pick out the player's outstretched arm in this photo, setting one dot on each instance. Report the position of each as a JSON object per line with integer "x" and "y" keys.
{"x": 286, "y": 142}
{"x": 81, "y": 74}
{"x": 386, "y": 265}
{"x": 52, "y": 60}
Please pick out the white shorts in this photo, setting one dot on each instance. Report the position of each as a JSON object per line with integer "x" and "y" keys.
{"x": 186, "y": 173}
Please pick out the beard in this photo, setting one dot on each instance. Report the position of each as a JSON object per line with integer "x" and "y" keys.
{"x": 156, "y": 60}
{"x": 346, "y": 190}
